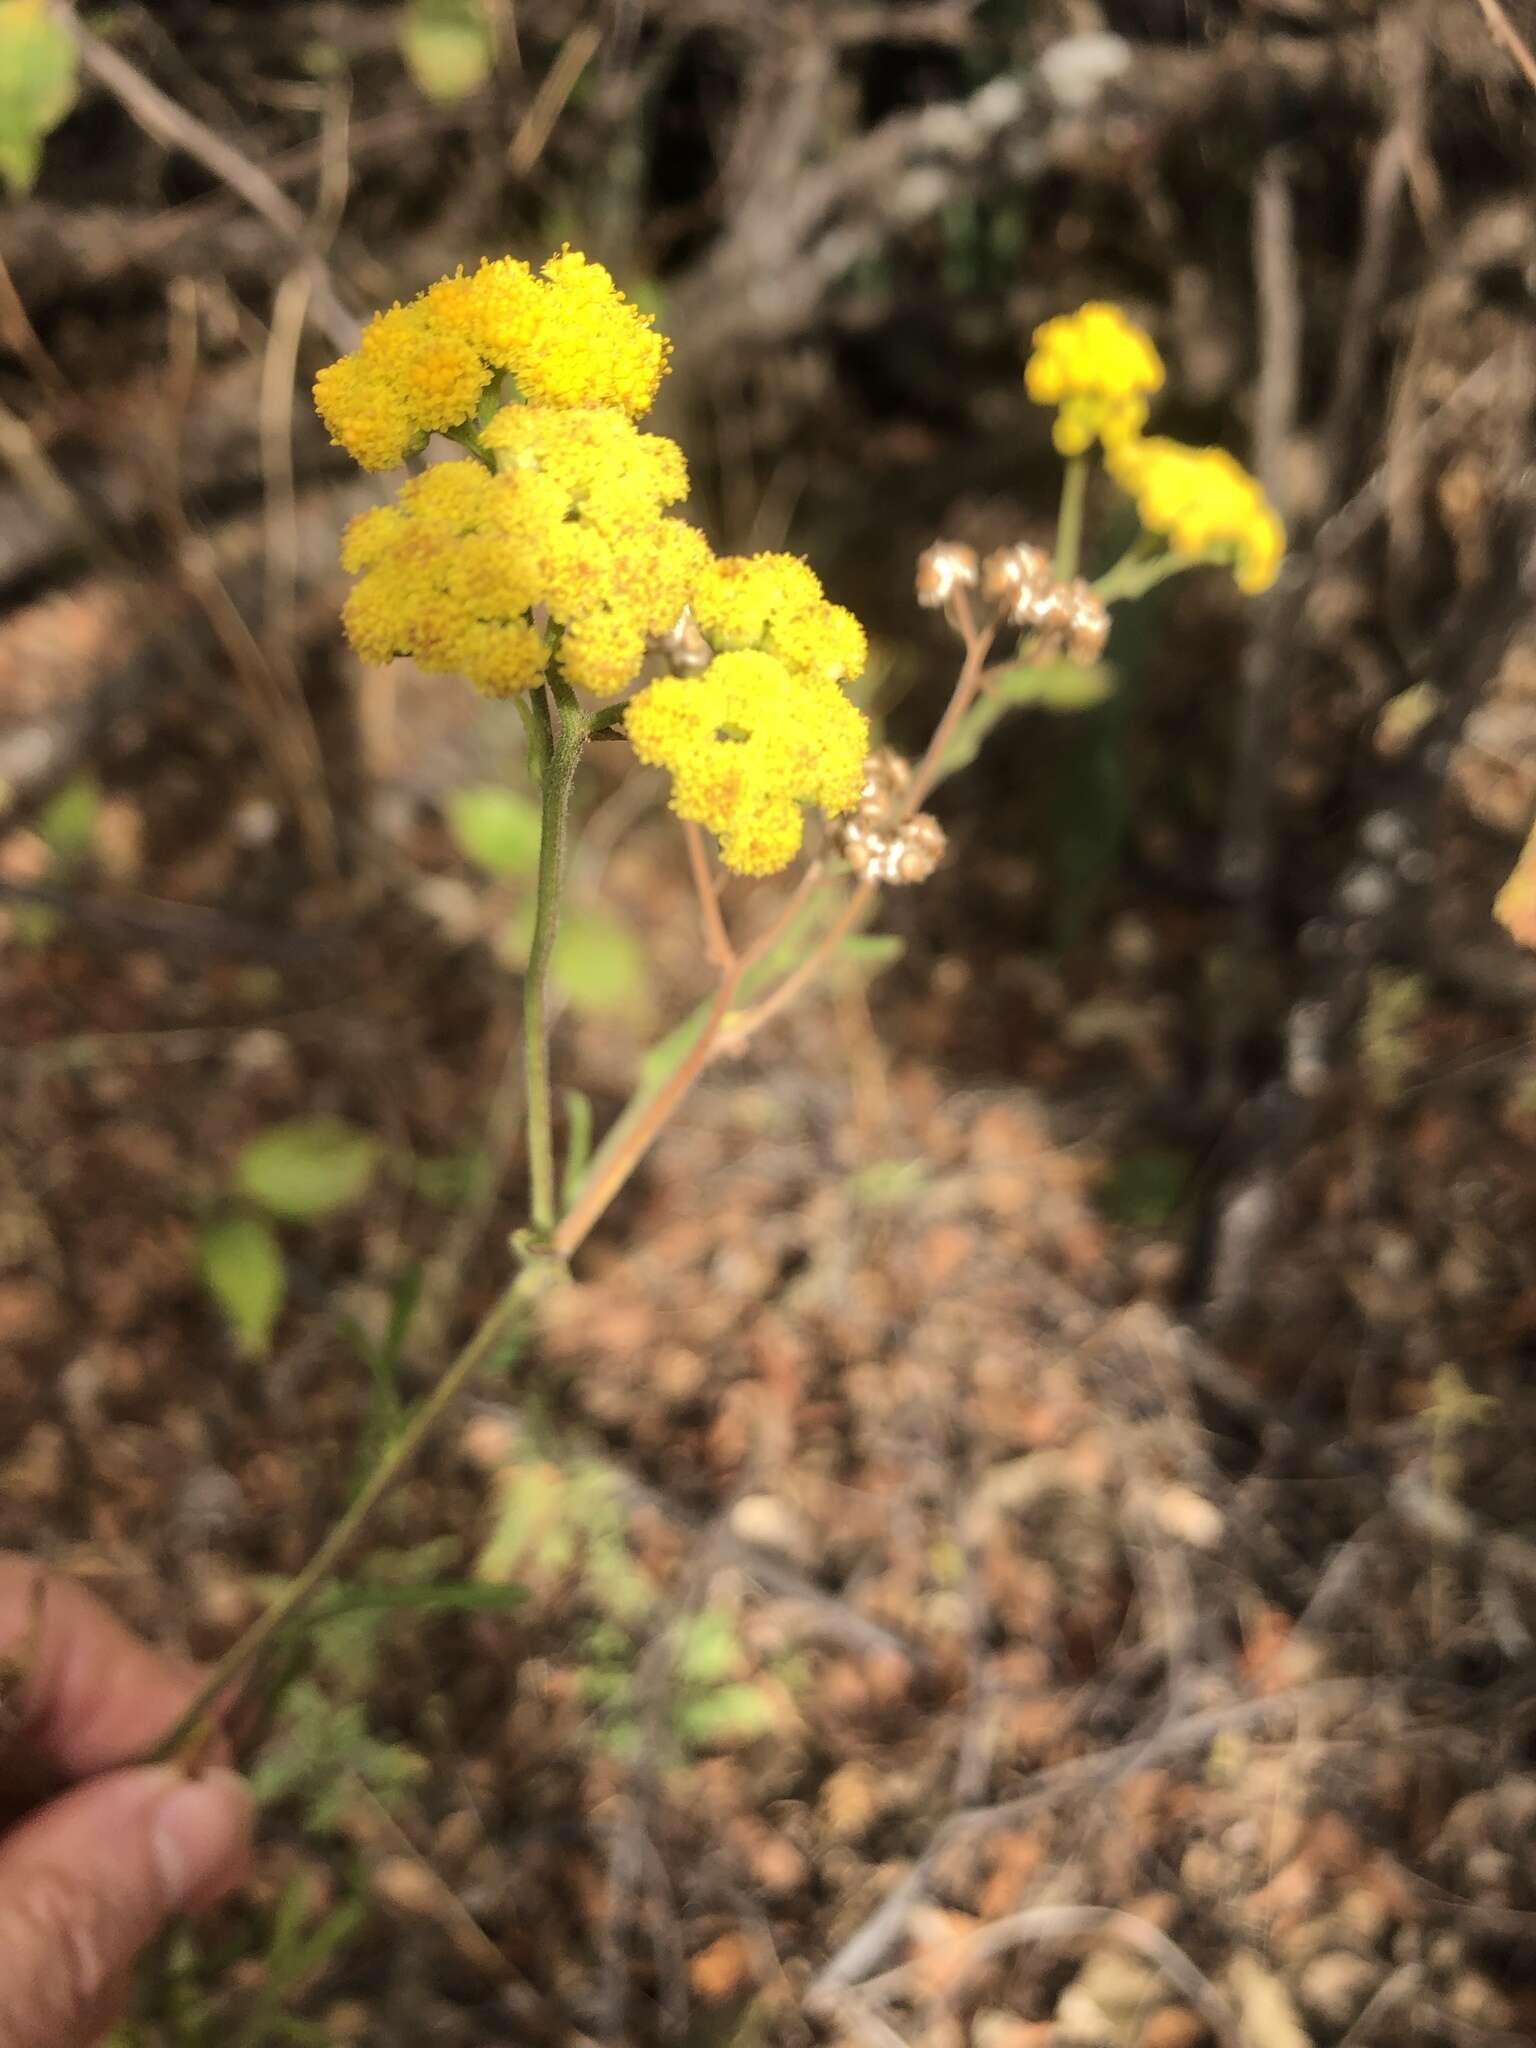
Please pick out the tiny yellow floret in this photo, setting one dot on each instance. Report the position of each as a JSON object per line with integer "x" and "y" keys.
{"x": 747, "y": 743}
{"x": 1098, "y": 369}
{"x": 1204, "y": 504}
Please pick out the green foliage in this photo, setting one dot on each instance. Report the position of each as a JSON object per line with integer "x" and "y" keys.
{"x": 307, "y": 1168}
{"x": 553, "y": 1520}
{"x": 66, "y": 825}
{"x": 871, "y": 953}
{"x": 496, "y": 828}
{"x": 449, "y": 46}
{"x": 1145, "y": 1188}
{"x": 38, "y": 66}
{"x": 185, "y": 1991}
{"x": 888, "y": 1183}
{"x": 241, "y": 1264}
{"x": 452, "y": 1180}
{"x": 725, "y": 1716}
{"x": 1388, "y": 1031}
{"x": 322, "y": 1752}
{"x": 599, "y": 965}
{"x": 578, "y": 1147}
{"x": 67, "y": 822}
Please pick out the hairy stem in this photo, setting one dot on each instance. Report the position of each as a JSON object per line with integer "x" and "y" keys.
{"x": 569, "y": 737}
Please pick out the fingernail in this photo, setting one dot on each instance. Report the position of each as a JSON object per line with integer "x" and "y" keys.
{"x": 200, "y": 1834}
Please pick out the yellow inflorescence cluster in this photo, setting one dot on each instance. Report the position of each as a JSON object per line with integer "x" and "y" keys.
{"x": 566, "y": 337}
{"x": 1098, "y": 369}
{"x": 574, "y": 522}
{"x": 556, "y": 545}
{"x": 1205, "y": 504}
{"x": 766, "y": 728}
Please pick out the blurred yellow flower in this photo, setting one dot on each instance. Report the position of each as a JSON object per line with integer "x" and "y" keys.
{"x": 1204, "y": 504}
{"x": 566, "y": 337}
{"x": 1098, "y": 369}
{"x": 747, "y": 743}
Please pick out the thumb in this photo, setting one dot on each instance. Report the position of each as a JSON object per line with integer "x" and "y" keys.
{"x": 88, "y": 1881}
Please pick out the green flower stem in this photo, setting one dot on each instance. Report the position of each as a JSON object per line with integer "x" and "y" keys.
{"x": 507, "y": 1323}
{"x": 1133, "y": 575}
{"x": 1069, "y": 523}
{"x": 569, "y": 737}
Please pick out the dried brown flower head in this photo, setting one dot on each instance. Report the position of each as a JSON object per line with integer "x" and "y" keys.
{"x": 948, "y": 566}
{"x": 1009, "y": 576}
{"x": 874, "y": 838}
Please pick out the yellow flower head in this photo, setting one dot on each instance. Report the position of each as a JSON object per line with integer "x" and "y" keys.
{"x": 1097, "y": 368}
{"x": 447, "y": 575}
{"x": 774, "y": 603}
{"x": 1205, "y": 504}
{"x": 747, "y": 743}
{"x": 567, "y": 337}
{"x": 575, "y": 522}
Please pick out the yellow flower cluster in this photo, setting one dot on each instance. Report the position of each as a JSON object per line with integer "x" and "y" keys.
{"x": 566, "y": 337}
{"x": 574, "y": 522}
{"x": 766, "y": 727}
{"x": 1205, "y": 504}
{"x": 1098, "y": 369}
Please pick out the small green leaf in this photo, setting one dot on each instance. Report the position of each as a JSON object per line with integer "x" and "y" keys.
{"x": 1067, "y": 686}
{"x": 578, "y": 1143}
{"x": 1145, "y": 1188}
{"x": 599, "y": 965}
{"x": 241, "y": 1263}
{"x": 1055, "y": 685}
{"x": 872, "y": 952}
{"x": 67, "y": 822}
{"x": 496, "y": 828}
{"x": 709, "y": 1649}
{"x": 454, "y": 1179}
{"x": 729, "y": 1715}
{"x": 307, "y": 1168}
{"x": 888, "y": 1183}
{"x": 38, "y": 64}
{"x": 449, "y": 46}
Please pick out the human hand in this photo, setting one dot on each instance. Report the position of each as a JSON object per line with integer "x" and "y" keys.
{"x": 89, "y": 1878}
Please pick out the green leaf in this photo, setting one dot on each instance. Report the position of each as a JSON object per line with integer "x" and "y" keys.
{"x": 496, "y": 828}
{"x": 1145, "y": 1188}
{"x": 307, "y": 1168}
{"x": 729, "y": 1715}
{"x": 1055, "y": 685}
{"x": 449, "y": 46}
{"x": 578, "y": 1144}
{"x": 709, "y": 1648}
{"x": 599, "y": 965}
{"x": 872, "y": 952}
{"x": 38, "y": 64}
{"x": 67, "y": 822}
{"x": 241, "y": 1263}
{"x": 1067, "y": 686}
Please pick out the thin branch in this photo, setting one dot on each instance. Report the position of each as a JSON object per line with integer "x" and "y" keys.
{"x": 716, "y": 938}
{"x": 1503, "y": 31}
{"x": 1054, "y": 1923}
{"x": 868, "y": 1945}
{"x": 161, "y": 117}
